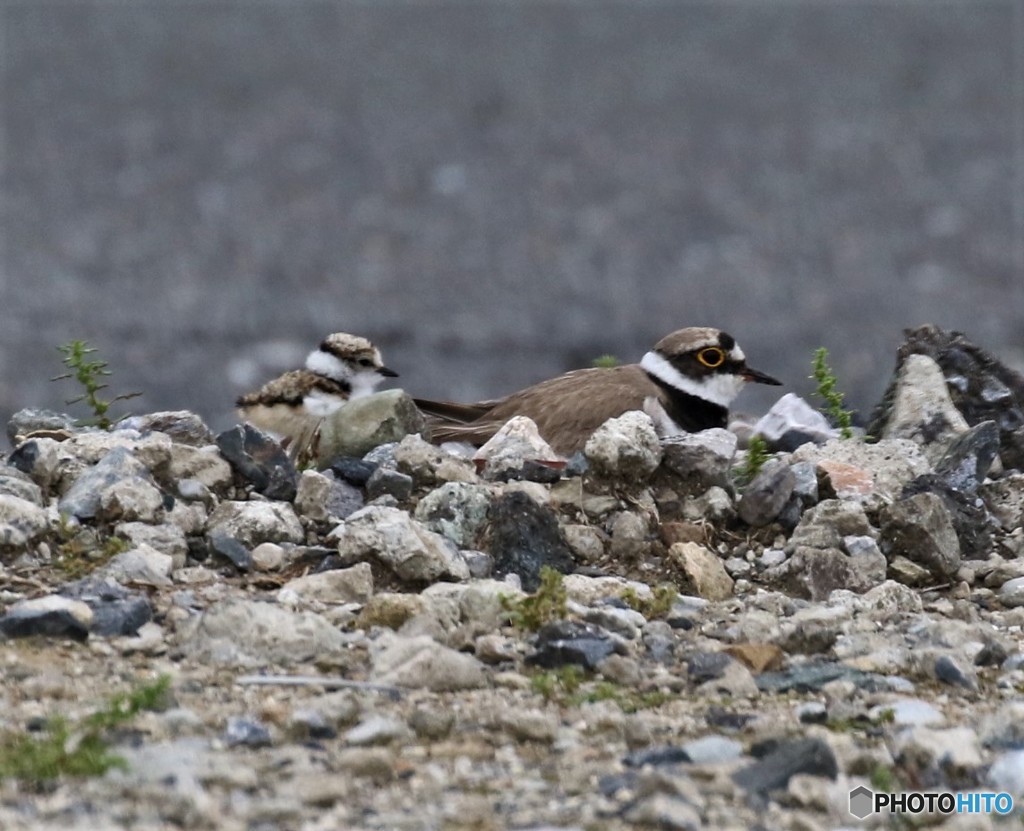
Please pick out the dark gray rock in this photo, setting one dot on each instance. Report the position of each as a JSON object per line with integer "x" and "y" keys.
{"x": 774, "y": 770}
{"x": 981, "y": 387}
{"x": 707, "y": 666}
{"x": 567, "y": 642}
{"x": 949, "y": 672}
{"x": 116, "y": 610}
{"x": 353, "y": 470}
{"x": 391, "y": 482}
{"x": 698, "y": 461}
{"x": 814, "y": 573}
{"x": 967, "y": 461}
{"x": 259, "y": 460}
{"x": 655, "y": 756}
{"x": 231, "y": 550}
{"x": 812, "y": 677}
{"x": 920, "y": 528}
{"x": 51, "y": 616}
{"x": 767, "y": 494}
{"x": 524, "y": 537}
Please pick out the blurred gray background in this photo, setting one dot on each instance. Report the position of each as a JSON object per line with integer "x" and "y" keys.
{"x": 496, "y": 192}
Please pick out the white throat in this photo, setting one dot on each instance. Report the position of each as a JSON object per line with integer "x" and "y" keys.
{"x": 718, "y": 389}
{"x": 364, "y": 383}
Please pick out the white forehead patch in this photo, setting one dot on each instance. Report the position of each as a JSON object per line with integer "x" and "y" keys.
{"x": 736, "y": 354}
{"x": 718, "y": 389}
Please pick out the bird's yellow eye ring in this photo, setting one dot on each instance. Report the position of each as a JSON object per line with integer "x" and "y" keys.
{"x": 712, "y": 357}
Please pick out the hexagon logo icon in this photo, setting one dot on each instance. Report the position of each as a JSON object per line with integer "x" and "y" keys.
{"x": 861, "y": 802}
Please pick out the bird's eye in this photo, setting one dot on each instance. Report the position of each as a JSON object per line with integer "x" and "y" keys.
{"x": 365, "y": 362}
{"x": 711, "y": 357}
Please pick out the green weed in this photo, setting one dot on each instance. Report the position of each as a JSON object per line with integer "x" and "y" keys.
{"x": 828, "y": 391}
{"x": 88, "y": 373}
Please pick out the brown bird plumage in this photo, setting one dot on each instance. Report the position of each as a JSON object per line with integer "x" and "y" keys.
{"x": 685, "y": 383}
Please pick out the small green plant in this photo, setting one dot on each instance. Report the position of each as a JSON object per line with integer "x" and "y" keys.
{"x": 543, "y": 606}
{"x": 883, "y": 778}
{"x": 606, "y": 362}
{"x": 80, "y": 550}
{"x": 80, "y": 748}
{"x": 556, "y": 684}
{"x": 88, "y": 373}
{"x": 658, "y": 605}
{"x": 757, "y": 455}
{"x": 627, "y": 700}
{"x": 827, "y": 390}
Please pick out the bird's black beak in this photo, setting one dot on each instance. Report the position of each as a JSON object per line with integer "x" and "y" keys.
{"x": 390, "y": 373}
{"x": 756, "y": 377}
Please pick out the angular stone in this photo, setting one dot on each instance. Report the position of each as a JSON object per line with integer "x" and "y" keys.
{"x": 152, "y": 450}
{"x": 387, "y": 482}
{"x": 1005, "y": 499}
{"x": 51, "y": 616}
{"x": 767, "y": 494}
{"x": 566, "y": 642}
{"x": 32, "y": 420}
{"x": 524, "y": 537}
{"x": 204, "y": 464}
{"x": 249, "y": 633}
{"x": 166, "y": 538}
{"x": 624, "y": 449}
{"x": 814, "y": 573}
{"x": 260, "y": 461}
{"x": 588, "y": 544}
{"x": 429, "y": 465}
{"x": 507, "y": 451}
{"x": 230, "y": 549}
{"x": 395, "y": 539}
{"x": 969, "y": 457}
{"x": 312, "y": 495}
{"x": 920, "y": 529}
{"x": 345, "y": 585}
{"x": 143, "y": 565}
{"x": 422, "y": 663}
{"x": 39, "y": 459}
{"x": 456, "y": 510}
{"x": 700, "y": 460}
{"x": 846, "y": 481}
{"x": 827, "y": 523}
{"x": 82, "y": 499}
{"x": 892, "y": 463}
{"x": 22, "y": 524}
{"x": 14, "y": 482}
{"x": 184, "y": 427}
{"x": 792, "y": 414}
{"x": 773, "y": 771}
{"x": 368, "y": 422}
{"x": 134, "y": 499}
{"x": 252, "y": 523}
{"x": 704, "y": 569}
{"x": 117, "y": 611}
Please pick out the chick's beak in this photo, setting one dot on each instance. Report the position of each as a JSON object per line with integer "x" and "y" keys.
{"x": 390, "y": 373}
{"x": 757, "y": 377}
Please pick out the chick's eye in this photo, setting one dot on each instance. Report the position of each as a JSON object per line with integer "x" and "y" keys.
{"x": 365, "y": 362}
{"x": 711, "y": 357}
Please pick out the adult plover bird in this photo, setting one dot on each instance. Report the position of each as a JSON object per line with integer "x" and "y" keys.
{"x": 292, "y": 405}
{"x": 685, "y": 383}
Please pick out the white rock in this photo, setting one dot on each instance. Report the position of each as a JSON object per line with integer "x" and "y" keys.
{"x": 344, "y": 585}
{"x": 135, "y": 499}
{"x": 922, "y": 410}
{"x": 704, "y": 569}
{"x": 268, "y": 556}
{"x": 22, "y": 523}
{"x": 312, "y": 495}
{"x": 518, "y": 441}
{"x": 625, "y": 448}
{"x": 955, "y": 747}
{"x": 391, "y": 536}
{"x": 791, "y": 412}
{"x": 143, "y": 564}
{"x": 204, "y": 464}
{"x": 252, "y": 523}
{"x": 421, "y": 662}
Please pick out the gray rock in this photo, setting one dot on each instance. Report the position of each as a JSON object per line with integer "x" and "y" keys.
{"x": 429, "y": 465}
{"x": 166, "y": 538}
{"x": 22, "y": 524}
{"x": 891, "y": 464}
{"x": 184, "y": 427}
{"x": 767, "y": 494}
{"x": 432, "y": 722}
{"x": 116, "y": 610}
{"x": 230, "y": 549}
{"x": 773, "y": 771}
{"x": 814, "y": 573}
{"x": 700, "y": 460}
{"x": 248, "y": 633}
{"x": 367, "y": 422}
{"x": 630, "y": 536}
{"x": 39, "y": 459}
{"x": 527, "y": 725}
{"x": 392, "y": 537}
{"x": 345, "y": 585}
{"x": 920, "y": 529}
{"x": 422, "y": 663}
{"x": 866, "y": 560}
{"x": 922, "y": 410}
{"x": 703, "y": 568}
{"x": 203, "y": 464}
{"x": 954, "y": 750}
{"x": 152, "y": 450}
{"x": 828, "y": 523}
{"x": 714, "y": 505}
{"x": 385, "y": 481}
{"x": 134, "y": 499}
{"x": 711, "y": 750}
{"x": 1005, "y": 499}
{"x": 524, "y": 537}
{"x": 566, "y": 642}
{"x": 969, "y": 457}
{"x": 51, "y": 616}
{"x": 32, "y": 420}
{"x": 909, "y": 712}
{"x": 456, "y": 510}
{"x": 1011, "y": 593}
{"x": 252, "y": 523}
{"x": 624, "y": 449}
{"x": 313, "y": 495}
{"x": 14, "y": 482}
{"x": 83, "y": 498}
{"x": 259, "y": 460}
{"x": 143, "y": 565}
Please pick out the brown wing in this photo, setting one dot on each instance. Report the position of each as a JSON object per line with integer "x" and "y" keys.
{"x": 450, "y": 411}
{"x": 290, "y": 389}
{"x": 566, "y": 409}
